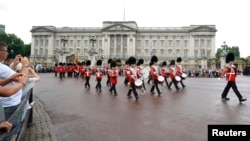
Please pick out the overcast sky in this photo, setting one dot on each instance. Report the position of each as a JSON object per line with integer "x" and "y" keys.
{"x": 229, "y": 16}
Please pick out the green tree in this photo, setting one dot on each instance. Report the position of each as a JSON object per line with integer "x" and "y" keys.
{"x": 15, "y": 45}
{"x": 234, "y": 50}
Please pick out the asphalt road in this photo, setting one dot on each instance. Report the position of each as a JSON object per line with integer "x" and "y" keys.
{"x": 80, "y": 114}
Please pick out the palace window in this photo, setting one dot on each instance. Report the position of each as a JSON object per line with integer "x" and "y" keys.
{"x": 154, "y": 43}
{"x": 162, "y": 43}
{"x": 209, "y": 43}
{"x": 100, "y": 43}
{"x": 78, "y": 43}
{"x": 36, "y": 43}
{"x": 71, "y": 43}
{"x": 41, "y": 42}
{"x": 178, "y": 52}
{"x": 162, "y": 53}
{"x": 46, "y": 42}
{"x": 177, "y": 43}
{"x": 186, "y": 43}
{"x": 202, "y": 43}
{"x": 85, "y": 43}
{"x": 170, "y": 43}
{"x": 170, "y": 53}
{"x": 146, "y": 43}
{"x": 196, "y": 43}
{"x": 185, "y": 53}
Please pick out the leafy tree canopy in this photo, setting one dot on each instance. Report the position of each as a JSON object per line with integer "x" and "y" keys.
{"x": 15, "y": 45}
{"x": 234, "y": 49}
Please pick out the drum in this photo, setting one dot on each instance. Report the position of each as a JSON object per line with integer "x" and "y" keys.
{"x": 160, "y": 79}
{"x": 138, "y": 83}
{"x": 183, "y": 76}
{"x": 177, "y": 78}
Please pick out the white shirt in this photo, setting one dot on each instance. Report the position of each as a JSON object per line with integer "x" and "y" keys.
{"x": 6, "y": 72}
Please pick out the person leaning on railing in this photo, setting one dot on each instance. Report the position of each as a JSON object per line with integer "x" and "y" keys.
{"x": 11, "y": 103}
{"x": 6, "y": 125}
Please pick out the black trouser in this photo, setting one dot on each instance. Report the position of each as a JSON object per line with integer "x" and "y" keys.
{"x": 155, "y": 85}
{"x": 108, "y": 81}
{"x": 87, "y": 82}
{"x": 61, "y": 75}
{"x": 126, "y": 81}
{"x": 132, "y": 88}
{"x": 55, "y": 74}
{"x": 76, "y": 74}
{"x": 175, "y": 83}
{"x": 113, "y": 88}
{"x": 182, "y": 84}
{"x": 98, "y": 85}
{"x": 149, "y": 79}
{"x": 234, "y": 87}
{"x": 166, "y": 81}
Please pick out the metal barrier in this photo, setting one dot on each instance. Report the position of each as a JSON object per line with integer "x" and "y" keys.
{"x": 27, "y": 112}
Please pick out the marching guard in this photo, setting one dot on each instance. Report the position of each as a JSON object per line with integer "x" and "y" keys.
{"x": 61, "y": 70}
{"x": 172, "y": 75}
{"x": 98, "y": 75}
{"x": 154, "y": 75}
{"x": 107, "y": 72}
{"x": 179, "y": 71}
{"x": 139, "y": 71}
{"x": 231, "y": 72}
{"x": 113, "y": 73}
{"x": 55, "y": 69}
{"x": 165, "y": 72}
{"x": 87, "y": 74}
{"x": 132, "y": 77}
{"x": 126, "y": 73}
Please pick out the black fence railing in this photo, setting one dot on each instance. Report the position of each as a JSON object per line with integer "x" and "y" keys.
{"x": 24, "y": 109}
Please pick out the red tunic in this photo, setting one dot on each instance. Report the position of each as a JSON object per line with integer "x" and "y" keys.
{"x": 55, "y": 69}
{"x": 87, "y": 73}
{"x": 113, "y": 76}
{"x": 172, "y": 72}
{"x": 164, "y": 72}
{"x": 153, "y": 73}
{"x": 179, "y": 70}
{"x": 61, "y": 69}
{"x": 230, "y": 72}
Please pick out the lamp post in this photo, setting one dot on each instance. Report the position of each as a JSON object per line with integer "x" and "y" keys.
{"x": 92, "y": 51}
{"x": 224, "y": 48}
{"x": 62, "y": 51}
{"x": 223, "y": 55}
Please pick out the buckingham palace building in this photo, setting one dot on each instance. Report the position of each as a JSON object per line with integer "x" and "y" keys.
{"x": 122, "y": 39}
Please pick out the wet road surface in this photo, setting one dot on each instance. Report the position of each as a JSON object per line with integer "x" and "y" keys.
{"x": 79, "y": 114}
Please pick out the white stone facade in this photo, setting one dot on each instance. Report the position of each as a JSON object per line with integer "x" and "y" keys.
{"x": 121, "y": 39}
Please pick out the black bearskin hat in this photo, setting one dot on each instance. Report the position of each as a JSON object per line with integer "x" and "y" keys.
{"x": 99, "y": 62}
{"x": 60, "y": 63}
{"x": 229, "y": 57}
{"x": 154, "y": 59}
{"x": 131, "y": 60}
{"x": 140, "y": 61}
{"x": 172, "y": 62}
{"x": 151, "y": 63}
{"x": 178, "y": 59}
{"x": 109, "y": 60}
{"x": 113, "y": 64}
{"x": 164, "y": 63}
{"x": 88, "y": 62}
{"x": 83, "y": 63}
{"x": 126, "y": 62}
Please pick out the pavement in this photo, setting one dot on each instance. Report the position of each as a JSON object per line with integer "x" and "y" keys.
{"x": 42, "y": 128}
{"x": 65, "y": 110}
